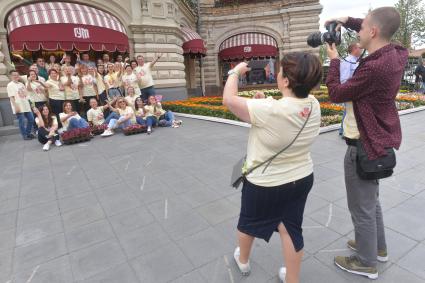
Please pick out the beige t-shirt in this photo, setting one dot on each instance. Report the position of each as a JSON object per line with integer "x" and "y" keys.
{"x": 131, "y": 100}
{"x": 38, "y": 92}
{"x": 65, "y": 124}
{"x": 96, "y": 116}
{"x": 128, "y": 110}
{"x": 140, "y": 113}
{"x": 56, "y": 90}
{"x": 100, "y": 83}
{"x": 144, "y": 75}
{"x": 152, "y": 109}
{"x": 112, "y": 81}
{"x": 71, "y": 92}
{"x": 88, "y": 85}
{"x": 350, "y": 124}
{"x": 20, "y": 93}
{"x": 131, "y": 80}
{"x": 275, "y": 123}
{"x": 54, "y": 122}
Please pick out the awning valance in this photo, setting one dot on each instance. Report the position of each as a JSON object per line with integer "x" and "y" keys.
{"x": 193, "y": 43}
{"x": 65, "y": 26}
{"x": 248, "y": 45}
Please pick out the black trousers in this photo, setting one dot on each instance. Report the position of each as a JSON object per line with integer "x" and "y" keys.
{"x": 42, "y": 136}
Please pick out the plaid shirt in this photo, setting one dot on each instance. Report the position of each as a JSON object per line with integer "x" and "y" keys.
{"x": 372, "y": 89}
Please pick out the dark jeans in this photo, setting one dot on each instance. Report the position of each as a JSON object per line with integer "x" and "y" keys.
{"x": 42, "y": 136}
{"x": 57, "y": 107}
{"x": 25, "y": 130}
{"x": 75, "y": 123}
{"x": 146, "y": 92}
{"x": 150, "y": 121}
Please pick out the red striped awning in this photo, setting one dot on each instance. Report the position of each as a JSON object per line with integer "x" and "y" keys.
{"x": 193, "y": 43}
{"x": 66, "y": 26}
{"x": 248, "y": 45}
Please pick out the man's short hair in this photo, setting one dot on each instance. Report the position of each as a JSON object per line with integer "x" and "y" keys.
{"x": 387, "y": 19}
{"x": 351, "y": 47}
{"x": 13, "y": 71}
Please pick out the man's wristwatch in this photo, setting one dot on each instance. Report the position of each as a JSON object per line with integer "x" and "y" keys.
{"x": 233, "y": 71}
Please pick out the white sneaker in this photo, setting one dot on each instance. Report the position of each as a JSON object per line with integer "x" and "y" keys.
{"x": 58, "y": 143}
{"x": 46, "y": 146}
{"x": 244, "y": 268}
{"x": 282, "y": 274}
{"x": 107, "y": 133}
{"x": 149, "y": 131}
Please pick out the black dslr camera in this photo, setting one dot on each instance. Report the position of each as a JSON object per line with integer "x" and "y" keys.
{"x": 331, "y": 36}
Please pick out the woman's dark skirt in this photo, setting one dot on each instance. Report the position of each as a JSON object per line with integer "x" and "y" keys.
{"x": 264, "y": 208}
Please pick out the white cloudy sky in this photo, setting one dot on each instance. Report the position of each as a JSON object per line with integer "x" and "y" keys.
{"x": 353, "y": 8}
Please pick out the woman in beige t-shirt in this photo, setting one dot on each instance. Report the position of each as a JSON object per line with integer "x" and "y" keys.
{"x": 127, "y": 117}
{"x": 274, "y": 194}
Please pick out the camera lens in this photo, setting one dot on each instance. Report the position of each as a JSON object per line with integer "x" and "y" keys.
{"x": 315, "y": 39}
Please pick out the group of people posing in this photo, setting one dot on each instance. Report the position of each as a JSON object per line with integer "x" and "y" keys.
{"x": 118, "y": 94}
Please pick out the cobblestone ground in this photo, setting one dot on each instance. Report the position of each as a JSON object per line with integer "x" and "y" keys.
{"x": 159, "y": 208}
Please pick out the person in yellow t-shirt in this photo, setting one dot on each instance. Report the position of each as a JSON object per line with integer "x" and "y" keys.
{"x": 112, "y": 82}
{"x": 143, "y": 117}
{"x": 88, "y": 85}
{"x": 131, "y": 96}
{"x": 55, "y": 91}
{"x": 274, "y": 194}
{"x": 129, "y": 79}
{"x": 19, "y": 101}
{"x": 163, "y": 118}
{"x": 71, "y": 88}
{"x": 95, "y": 115}
{"x": 127, "y": 117}
{"x": 36, "y": 89}
{"x": 143, "y": 72}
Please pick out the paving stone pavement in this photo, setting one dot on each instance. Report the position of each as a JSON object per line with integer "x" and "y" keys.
{"x": 159, "y": 208}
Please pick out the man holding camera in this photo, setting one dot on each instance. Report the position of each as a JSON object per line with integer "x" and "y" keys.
{"x": 372, "y": 90}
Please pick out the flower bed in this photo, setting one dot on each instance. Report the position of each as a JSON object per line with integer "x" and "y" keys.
{"x": 331, "y": 113}
{"x": 134, "y": 129}
{"x": 76, "y": 136}
{"x": 98, "y": 129}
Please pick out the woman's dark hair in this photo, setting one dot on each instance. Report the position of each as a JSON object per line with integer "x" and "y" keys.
{"x": 303, "y": 71}
{"x": 32, "y": 71}
{"x": 48, "y": 121}
{"x": 136, "y": 107}
{"x": 64, "y": 104}
{"x": 53, "y": 70}
{"x": 133, "y": 61}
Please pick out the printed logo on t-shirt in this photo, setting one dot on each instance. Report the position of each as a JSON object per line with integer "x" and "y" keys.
{"x": 305, "y": 112}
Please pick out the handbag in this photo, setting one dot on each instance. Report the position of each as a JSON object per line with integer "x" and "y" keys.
{"x": 379, "y": 168}
{"x": 239, "y": 171}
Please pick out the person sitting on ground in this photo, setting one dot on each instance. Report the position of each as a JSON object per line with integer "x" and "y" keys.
{"x": 129, "y": 79}
{"x": 131, "y": 96}
{"x": 36, "y": 89}
{"x": 71, "y": 84}
{"x": 112, "y": 82}
{"x": 21, "y": 107}
{"x": 88, "y": 86}
{"x": 70, "y": 119}
{"x": 47, "y": 124}
{"x": 164, "y": 118}
{"x": 127, "y": 117}
{"x": 142, "y": 118}
{"x": 95, "y": 116}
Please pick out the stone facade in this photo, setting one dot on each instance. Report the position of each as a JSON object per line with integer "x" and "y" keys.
{"x": 288, "y": 22}
{"x": 153, "y": 26}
